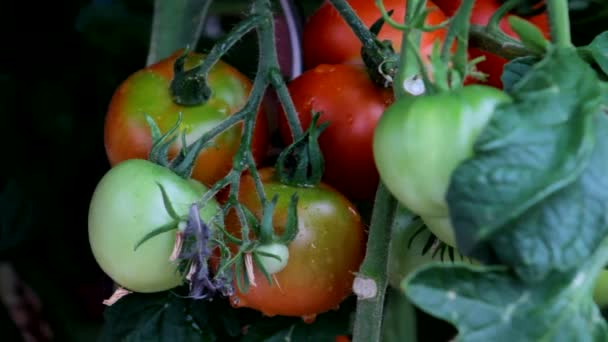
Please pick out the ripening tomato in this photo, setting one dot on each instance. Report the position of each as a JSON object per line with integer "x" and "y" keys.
{"x": 351, "y": 103}
{"x": 483, "y": 10}
{"x": 327, "y": 38}
{"x": 327, "y": 251}
{"x": 127, "y": 204}
{"x": 127, "y": 135}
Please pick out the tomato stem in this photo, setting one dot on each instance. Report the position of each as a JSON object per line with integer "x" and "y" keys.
{"x": 189, "y": 87}
{"x": 379, "y": 57}
{"x": 560, "y": 22}
{"x": 495, "y": 43}
{"x": 371, "y": 282}
{"x": 459, "y": 30}
{"x": 276, "y": 79}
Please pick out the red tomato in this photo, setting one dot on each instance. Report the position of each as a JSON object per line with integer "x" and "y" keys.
{"x": 327, "y": 38}
{"x": 127, "y": 135}
{"x": 352, "y": 104}
{"x": 323, "y": 258}
{"x": 481, "y": 14}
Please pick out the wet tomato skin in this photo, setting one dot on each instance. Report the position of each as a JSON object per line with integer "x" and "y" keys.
{"x": 127, "y": 135}
{"x": 352, "y": 105}
{"x": 323, "y": 258}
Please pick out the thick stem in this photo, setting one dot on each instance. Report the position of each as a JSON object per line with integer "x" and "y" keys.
{"x": 361, "y": 31}
{"x": 377, "y": 56}
{"x": 480, "y": 38}
{"x": 371, "y": 281}
{"x": 560, "y": 22}
{"x": 409, "y": 66}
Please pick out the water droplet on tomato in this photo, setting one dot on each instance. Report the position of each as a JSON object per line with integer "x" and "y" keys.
{"x": 236, "y": 302}
{"x": 309, "y": 319}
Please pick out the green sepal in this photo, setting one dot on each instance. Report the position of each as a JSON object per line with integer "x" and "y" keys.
{"x": 266, "y": 229}
{"x": 258, "y": 262}
{"x": 188, "y": 87}
{"x": 162, "y": 229}
{"x": 162, "y": 142}
{"x": 167, "y": 203}
{"x": 291, "y": 227}
{"x": 530, "y": 35}
{"x": 301, "y": 163}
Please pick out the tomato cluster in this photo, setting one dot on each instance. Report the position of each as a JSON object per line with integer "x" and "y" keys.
{"x": 136, "y": 197}
{"x": 369, "y": 136}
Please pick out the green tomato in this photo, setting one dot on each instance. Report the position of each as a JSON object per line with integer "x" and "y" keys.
{"x": 600, "y": 292}
{"x": 271, "y": 264}
{"x": 128, "y": 204}
{"x": 419, "y": 141}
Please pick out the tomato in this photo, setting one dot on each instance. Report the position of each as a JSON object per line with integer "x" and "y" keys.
{"x": 600, "y": 291}
{"x": 351, "y": 103}
{"x": 323, "y": 258}
{"x": 327, "y": 38}
{"x": 342, "y": 338}
{"x": 407, "y": 253}
{"x": 483, "y": 10}
{"x": 419, "y": 141}
{"x": 127, "y": 135}
{"x": 126, "y": 205}
{"x": 275, "y": 263}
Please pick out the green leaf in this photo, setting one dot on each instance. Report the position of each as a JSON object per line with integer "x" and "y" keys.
{"x": 176, "y": 24}
{"x": 534, "y": 195}
{"x": 489, "y": 304}
{"x": 151, "y": 317}
{"x": 599, "y": 51}
{"x": 325, "y": 328}
{"x": 515, "y": 70}
{"x": 399, "y": 323}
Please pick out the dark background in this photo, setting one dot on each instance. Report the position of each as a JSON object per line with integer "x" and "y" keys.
{"x": 60, "y": 62}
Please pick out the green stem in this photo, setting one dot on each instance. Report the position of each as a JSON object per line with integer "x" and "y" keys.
{"x": 560, "y": 22}
{"x": 371, "y": 282}
{"x": 222, "y": 46}
{"x": 379, "y": 57}
{"x": 459, "y": 30}
{"x": 361, "y": 31}
{"x": 408, "y": 62}
{"x": 276, "y": 79}
{"x": 189, "y": 88}
{"x": 495, "y": 43}
{"x": 501, "y": 12}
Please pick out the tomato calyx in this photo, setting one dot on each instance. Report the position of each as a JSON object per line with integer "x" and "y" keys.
{"x": 301, "y": 163}
{"x": 381, "y": 61}
{"x": 189, "y": 87}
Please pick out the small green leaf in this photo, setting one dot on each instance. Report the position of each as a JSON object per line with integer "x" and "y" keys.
{"x": 489, "y": 304}
{"x": 599, "y": 51}
{"x": 162, "y": 229}
{"x": 529, "y": 34}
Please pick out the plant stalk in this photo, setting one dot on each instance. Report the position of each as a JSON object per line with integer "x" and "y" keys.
{"x": 560, "y": 22}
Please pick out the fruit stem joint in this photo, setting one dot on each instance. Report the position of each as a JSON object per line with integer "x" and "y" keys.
{"x": 365, "y": 288}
